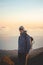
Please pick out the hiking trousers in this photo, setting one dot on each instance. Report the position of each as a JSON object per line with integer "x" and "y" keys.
{"x": 21, "y": 58}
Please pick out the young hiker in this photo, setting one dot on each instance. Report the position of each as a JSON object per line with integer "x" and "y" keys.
{"x": 23, "y": 45}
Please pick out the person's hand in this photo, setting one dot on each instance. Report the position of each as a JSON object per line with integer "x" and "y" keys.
{"x": 27, "y": 56}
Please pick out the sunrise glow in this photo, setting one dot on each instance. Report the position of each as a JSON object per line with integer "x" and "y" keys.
{"x": 14, "y": 13}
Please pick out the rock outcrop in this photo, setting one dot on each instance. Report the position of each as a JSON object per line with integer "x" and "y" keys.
{"x": 36, "y": 57}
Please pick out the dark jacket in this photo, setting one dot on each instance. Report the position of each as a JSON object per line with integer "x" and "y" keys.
{"x": 24, "y": 43}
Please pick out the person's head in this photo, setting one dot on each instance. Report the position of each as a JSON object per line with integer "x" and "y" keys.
{"x": 21, "y": 29}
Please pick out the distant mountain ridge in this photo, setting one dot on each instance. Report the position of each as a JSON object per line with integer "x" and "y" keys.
{"x": 15, "y": 52}
{"x": 8, "y": 52}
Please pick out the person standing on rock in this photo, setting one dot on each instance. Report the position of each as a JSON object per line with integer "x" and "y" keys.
{"x": 23, "y": 45}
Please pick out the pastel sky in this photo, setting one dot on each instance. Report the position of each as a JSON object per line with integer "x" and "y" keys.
{"x": 14, "y": 13}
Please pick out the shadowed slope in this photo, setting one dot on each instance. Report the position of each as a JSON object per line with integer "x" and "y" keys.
{"x": 36, "y": 57}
